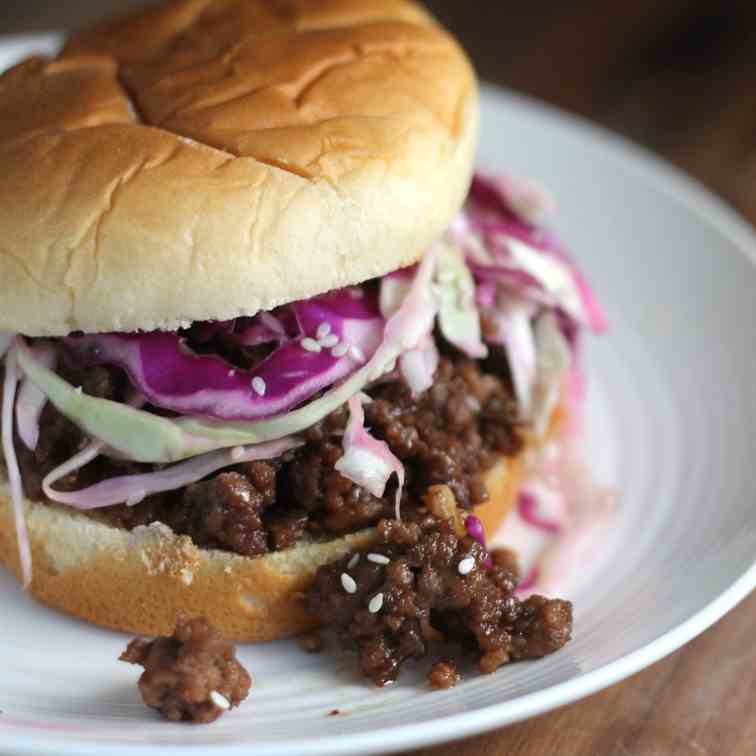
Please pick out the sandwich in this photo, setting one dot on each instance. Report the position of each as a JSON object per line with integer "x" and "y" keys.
{"x": 256, "y": 302}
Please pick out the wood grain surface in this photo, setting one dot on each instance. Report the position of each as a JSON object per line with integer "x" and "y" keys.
{"x": 678, "y": 76}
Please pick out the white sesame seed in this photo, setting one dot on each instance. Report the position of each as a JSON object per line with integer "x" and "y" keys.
{"x": 353, "y": 562}
{"x": 259, "y": 385}
{"x": 472, "y": 403}
{"x": 466, "y": 566}
{"x": 310, "y": 345}
{"x": 376, "y": 603}
{"x": 219, "y": 700}
{"x": 231, "y": 373}
{"x": 378, "y": 559}
{"x": 237, "y": 453}
{"x": 348, "y": 584}
{"x": 329, "y": 341}
{"x": 357, "y": 353}
{"x": 340, "y": 349}
{"x": 323, "y": 330}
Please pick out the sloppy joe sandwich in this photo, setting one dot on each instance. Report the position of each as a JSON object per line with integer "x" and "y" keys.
{"x": 255, "y": 303}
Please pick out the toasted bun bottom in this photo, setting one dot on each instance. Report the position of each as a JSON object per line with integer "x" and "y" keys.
{"x": 137, "y": 581}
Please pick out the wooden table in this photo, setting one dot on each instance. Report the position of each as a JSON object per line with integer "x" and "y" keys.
{"x": 678, "y": 76}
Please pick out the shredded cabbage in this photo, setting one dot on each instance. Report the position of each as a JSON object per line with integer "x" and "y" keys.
{"x": 131, "y": 489}
{"x": 10, "y": 384}
{"x": 367, "y": 461}
{"x": 394, "y": 289}
{"x": 529, "y": 510}
{"x": 6, "y": 340}
{"x": 513, "y": 328}
{"x": 562, "y": 518}
{"x": 162, "y": 367}
{"x": 553, "y": 361}
{"x": 135, "y": 434}
{"x": 527, "y": 200}
{"x": 404, "y": 331}
{"x": 503, "y": 245}
{"x": 458, "y": 316}
{"x": 88, "y": 454}
{"x": 418, "y": 366}
{"x": 31, "y": 401}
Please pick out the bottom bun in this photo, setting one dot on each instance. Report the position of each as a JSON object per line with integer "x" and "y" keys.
{"x": 137, "y": 581}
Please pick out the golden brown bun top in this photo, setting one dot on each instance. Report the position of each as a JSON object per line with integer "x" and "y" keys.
{"x": 211, "y": 158}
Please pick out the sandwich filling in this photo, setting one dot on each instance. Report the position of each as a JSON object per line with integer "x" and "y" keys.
{"x": 321, "y": 417}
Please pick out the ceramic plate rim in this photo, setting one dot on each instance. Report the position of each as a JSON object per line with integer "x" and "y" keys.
{"x": 727, "y": 222}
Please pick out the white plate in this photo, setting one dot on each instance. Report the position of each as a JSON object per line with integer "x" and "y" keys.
{"x": 670, "y": 413}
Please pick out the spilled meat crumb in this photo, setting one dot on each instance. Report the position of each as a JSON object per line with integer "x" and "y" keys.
{"x": 191, "y": 676}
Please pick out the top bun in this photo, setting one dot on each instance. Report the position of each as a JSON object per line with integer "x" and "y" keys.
{"x": 213, "y": 158}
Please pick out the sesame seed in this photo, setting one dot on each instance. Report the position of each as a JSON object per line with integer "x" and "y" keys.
{"x": 259, "y": 385}
{"x": 219, "y": 700}
{"x": 466, "y": 566}
{"x": 472, "y": 403}
{"x": 376, "y": 603}
{"x": 353, "y": 561}
{"x": 323, "y": 330}
{"x": 378, "y": 559}
{"x": 310, "y": 345}
{"x": 237, "y": 453}
{"x": 231, "y": 373}
{"x": 348, "y": 584}
{"x": 329, "y": 341}
{"x": 340, "y": 349}
{"x": 357, "y": 353}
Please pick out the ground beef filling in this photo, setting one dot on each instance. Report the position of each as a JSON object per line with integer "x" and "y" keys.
{"x": 191, "y": 676}
{"x": 426, "y": 584}
{"x": 449, "y": 435}
{"x": 444, "y": 675}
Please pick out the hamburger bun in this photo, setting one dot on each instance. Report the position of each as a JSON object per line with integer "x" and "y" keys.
{"x": 212, "y": 158}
